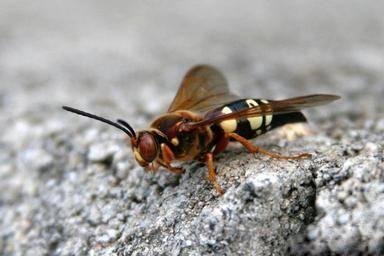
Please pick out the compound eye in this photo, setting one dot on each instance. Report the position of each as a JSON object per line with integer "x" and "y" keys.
{"x": 148, "y": 147}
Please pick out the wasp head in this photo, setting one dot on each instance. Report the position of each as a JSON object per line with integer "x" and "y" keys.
{"x": 145, "y": 147}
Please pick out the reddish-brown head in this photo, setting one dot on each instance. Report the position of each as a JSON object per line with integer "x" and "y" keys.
{"x": 146, "y": 148}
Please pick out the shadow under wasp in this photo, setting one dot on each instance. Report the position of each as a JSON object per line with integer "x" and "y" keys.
{"x": 204, "y": 117}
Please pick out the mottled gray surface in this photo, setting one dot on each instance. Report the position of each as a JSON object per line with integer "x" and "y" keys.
{"x": 70, "y": 186}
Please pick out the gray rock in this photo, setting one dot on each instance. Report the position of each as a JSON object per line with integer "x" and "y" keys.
{"x": 70, "y": 186}
{"x": 102, "y": 152}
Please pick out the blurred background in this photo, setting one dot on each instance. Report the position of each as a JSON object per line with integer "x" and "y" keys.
{"x": 127, "y": 58}
{"x": 127, "y": 53}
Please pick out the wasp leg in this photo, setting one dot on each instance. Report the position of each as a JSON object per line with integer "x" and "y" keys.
{"x": 211, "y": 172}
{"x": 168, "y": 156}
{"x": 167, "y": 153}
{"x": 254, "y": 149}
{"x": 176, "y": 170}
{"x": 221, "y": 145}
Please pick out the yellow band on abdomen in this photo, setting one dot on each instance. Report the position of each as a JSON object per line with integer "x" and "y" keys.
{"x": 228, "y": 125}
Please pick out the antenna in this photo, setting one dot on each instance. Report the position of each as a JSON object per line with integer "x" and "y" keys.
{"x": 124, "y": 123}
{"x": 131, "y": 133}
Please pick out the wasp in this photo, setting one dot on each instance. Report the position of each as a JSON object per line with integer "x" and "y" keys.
{"x": 204, "y": 117}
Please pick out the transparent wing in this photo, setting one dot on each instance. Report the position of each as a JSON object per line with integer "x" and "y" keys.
{"x": 272, "y": 108}
{"x": 203, "y": 88}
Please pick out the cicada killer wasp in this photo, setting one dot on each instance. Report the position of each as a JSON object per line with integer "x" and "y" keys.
{"x": 204, "y": 117}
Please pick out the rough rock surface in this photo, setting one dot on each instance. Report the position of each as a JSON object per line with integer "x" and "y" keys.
{"x": 70, "y": 186}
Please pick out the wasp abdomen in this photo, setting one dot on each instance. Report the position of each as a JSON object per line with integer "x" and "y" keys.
{"x": 251, "y": 127}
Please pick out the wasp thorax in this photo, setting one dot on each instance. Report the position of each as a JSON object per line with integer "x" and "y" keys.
{"x": 147, "y": 148}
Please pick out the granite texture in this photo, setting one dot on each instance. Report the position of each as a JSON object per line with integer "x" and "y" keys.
{"x": 70, "y": 186}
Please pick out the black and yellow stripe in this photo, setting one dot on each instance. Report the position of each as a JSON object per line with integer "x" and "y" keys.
{"x": 251, "y": 127}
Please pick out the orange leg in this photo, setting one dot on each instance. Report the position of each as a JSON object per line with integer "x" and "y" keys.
{"x": 168, "y": 156}
{"x": 221, "y": 145}
{"x": 254, "y": 149}
{"x": 211, "y": 172}
{"x": 176, "y": 170}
